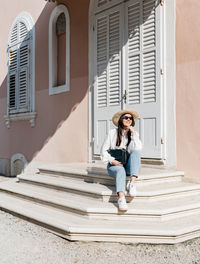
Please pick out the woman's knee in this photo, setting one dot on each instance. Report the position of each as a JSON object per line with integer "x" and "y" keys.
{"x": 121, "y": 171}
{"x": 135, "y": 153}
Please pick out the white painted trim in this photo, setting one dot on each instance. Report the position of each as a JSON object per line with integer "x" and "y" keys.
{"x": 31, "y": 116}
{"x": 91, "y": 77}
{"x": 169, "y": 81}
{"x": 53, "y": 55}
{"x": 26, "y": 19}
{"x": 29, "y": 22}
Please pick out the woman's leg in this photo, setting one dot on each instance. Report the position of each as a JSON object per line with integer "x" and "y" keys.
{"x": 132, "y": 169}
{"x": 133, "y": 164}
{"x": 119, "y": 173}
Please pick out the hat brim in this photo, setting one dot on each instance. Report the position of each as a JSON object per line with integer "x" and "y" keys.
{"x": 117, "y": 115}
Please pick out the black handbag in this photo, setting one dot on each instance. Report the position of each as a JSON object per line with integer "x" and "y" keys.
{"x": 121, "y": 155}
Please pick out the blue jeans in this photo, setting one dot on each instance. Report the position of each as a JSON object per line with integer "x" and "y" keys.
{"x": 131, "y": 168}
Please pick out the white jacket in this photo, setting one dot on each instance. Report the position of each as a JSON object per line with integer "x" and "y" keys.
{"x": 110, "y": 143}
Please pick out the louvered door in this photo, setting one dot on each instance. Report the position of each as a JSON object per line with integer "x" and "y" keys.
{"x": 107, "y": 90}
{"x": 143, "y": 79}
{"x": 128, "y": 63}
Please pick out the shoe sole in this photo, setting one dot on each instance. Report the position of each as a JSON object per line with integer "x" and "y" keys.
{"x": 123, "y": 210}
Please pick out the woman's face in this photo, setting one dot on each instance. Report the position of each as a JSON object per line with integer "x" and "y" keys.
{"x": 127, "y": 120}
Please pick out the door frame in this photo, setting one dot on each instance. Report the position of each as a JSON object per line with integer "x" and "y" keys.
{"x": 168, "y": 114}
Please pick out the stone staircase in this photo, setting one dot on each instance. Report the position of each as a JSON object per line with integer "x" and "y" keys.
{"x": 78, "y": 202}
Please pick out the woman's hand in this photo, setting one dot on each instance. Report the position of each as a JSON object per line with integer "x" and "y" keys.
{"x": 116, "y": 163}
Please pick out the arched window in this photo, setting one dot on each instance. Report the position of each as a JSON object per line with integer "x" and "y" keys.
{"x": 59, "y": 50}
{"x": 21, "y": 70}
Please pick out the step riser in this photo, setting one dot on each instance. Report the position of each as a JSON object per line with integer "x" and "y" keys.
{"x": 135, "y": 239}
{"x": 121, "y": 238}
{"x": 44, "y": 202}
{"x": 138, "y": 217}
{"x": 74, "y": 231}
{"x": 107, "y": 216}
{"x": 162, "y": 180}
{"x": 113, "y": 198}
{"x": 95, "y": 179}
{"x": 50, "y": 227}
{"x": 168, "y": 196}
{"x": 64, "y": 189}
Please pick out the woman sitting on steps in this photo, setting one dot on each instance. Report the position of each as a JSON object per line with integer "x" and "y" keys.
{"x": 123, "y": 137}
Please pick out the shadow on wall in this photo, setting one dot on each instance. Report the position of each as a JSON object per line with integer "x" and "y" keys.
{"x": 62, "y": 119}
{"x": 56, "y": 114}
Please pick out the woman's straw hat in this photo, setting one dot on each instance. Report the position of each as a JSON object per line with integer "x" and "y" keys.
{"x": 116, "y": 116}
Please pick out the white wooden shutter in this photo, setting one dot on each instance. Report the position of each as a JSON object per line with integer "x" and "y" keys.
{"x": 134, "y": 58}
{"x": 114, "y": 59}
{"x": 101, "y": 61}
{"x": 105, "y": 4}
{"x": 12, "y": 79}
{"x": 142, "y": 72}
{"x": 19, "y": 68}
{"x": 107, "y": 90}
{"x": 23, "y": 92}
{"x": 14, "y": 35}
{"x": 108, "y": 60}
{"x": 12, "y": 92}
{"x": 23, "y": 32}
{"x": 149, "y": 51}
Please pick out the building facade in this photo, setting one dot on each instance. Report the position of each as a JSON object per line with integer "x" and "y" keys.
{"x": 68, "y": 66}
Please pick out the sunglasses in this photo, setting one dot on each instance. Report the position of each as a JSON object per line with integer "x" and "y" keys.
{"x": 128, "y": 117}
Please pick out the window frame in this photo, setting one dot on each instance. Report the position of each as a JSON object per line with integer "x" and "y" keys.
{"x": 53, "y": 51}
{"x": 29, "y": 115}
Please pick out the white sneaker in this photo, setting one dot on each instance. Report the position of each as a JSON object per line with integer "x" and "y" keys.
{"x": 131, "y": 186}
{"x": 122, "y": 204}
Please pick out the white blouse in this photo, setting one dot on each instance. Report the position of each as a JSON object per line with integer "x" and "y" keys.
{"x": 110, "y": 143}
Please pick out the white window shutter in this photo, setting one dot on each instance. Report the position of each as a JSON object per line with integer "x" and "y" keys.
{"x": 19, "y": 68}
{"x": 12, "y": 79}
{"x": 23, "y": 31}
{"x": 101, "y": 2}
{"x": 12, "y": 91}
{"x": 105, "y": 4}
{"x": 14, "y": 35}
{"x": 23, "y": 78}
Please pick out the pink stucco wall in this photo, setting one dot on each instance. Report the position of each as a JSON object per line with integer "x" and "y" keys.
{"x": 61, "y": 130}
{"x": 188, "y": 86}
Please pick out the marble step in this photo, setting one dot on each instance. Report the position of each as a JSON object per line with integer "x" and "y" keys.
{"x": 98, "y": 173}
{"x": 74, "y": 227}
{"x": 161, "y": 191}
{"x": 96, "y": 209}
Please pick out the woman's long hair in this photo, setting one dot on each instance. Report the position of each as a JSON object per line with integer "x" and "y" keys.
{"x": 120, "y": 130}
